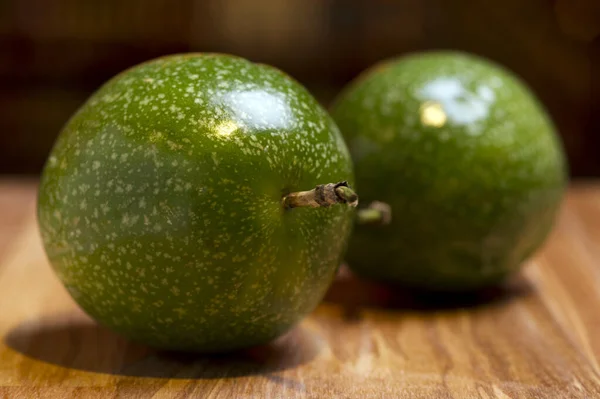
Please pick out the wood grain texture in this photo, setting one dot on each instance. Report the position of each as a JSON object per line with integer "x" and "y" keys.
{"x": 537, "y": 337}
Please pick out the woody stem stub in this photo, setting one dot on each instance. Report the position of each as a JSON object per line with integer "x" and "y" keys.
{"x": 324, "y": 195}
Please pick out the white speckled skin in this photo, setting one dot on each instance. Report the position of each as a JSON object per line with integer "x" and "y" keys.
{"x": 160, "y": 205}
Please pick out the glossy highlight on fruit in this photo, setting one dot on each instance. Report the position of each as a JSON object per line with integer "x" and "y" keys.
{"x": 467, "y": 159}
{"x": 161, "y": 204}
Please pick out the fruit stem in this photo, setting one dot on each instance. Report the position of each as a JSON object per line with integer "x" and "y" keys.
{"x": 377, "y": 212}
{"x": 323, "y": 195}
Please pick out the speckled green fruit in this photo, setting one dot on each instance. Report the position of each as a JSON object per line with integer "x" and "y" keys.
{"x": 467, "y": 159}
{"x": 160, "y": 206}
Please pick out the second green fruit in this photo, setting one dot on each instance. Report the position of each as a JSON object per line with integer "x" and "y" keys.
{"x": 466, "y": 157}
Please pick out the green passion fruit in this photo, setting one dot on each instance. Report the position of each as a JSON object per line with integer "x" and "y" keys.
{"x": 467, "y": 160}
{"x": 173, "y": 204}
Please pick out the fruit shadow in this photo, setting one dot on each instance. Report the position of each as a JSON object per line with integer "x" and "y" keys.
{"x": 354, "y": 294}
{"x": 84, "y": 345}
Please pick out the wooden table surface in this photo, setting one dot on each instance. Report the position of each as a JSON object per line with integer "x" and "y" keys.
{"x": 537, "y": 337}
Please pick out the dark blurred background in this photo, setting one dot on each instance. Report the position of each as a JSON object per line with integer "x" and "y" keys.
{"x": 54, "y": 53}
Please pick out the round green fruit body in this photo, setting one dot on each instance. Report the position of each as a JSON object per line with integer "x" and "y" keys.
{"x": 160, "y": 206}
{"x": 468, "y": 161}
